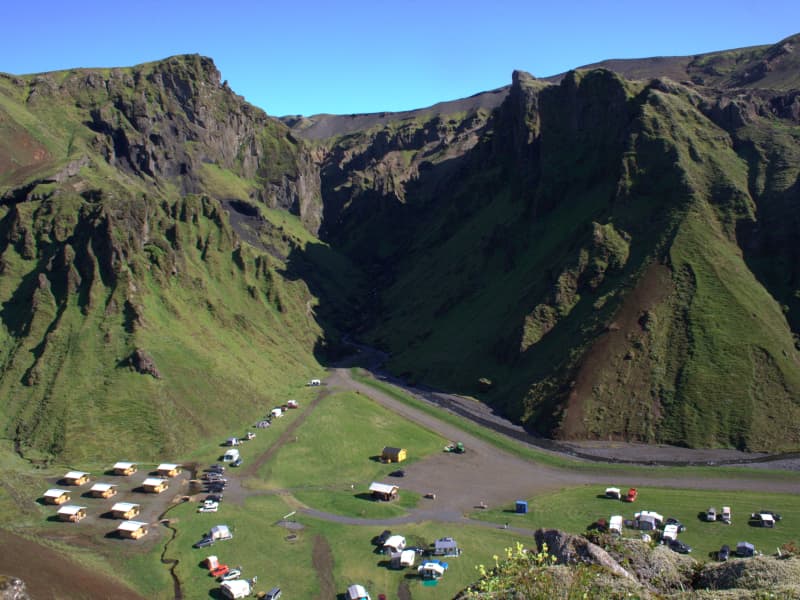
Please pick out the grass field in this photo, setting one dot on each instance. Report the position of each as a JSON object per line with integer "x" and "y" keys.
{"x": 574, "y": 509}
{"x": 260, "y": 547}
{"x": 340, "y": 443}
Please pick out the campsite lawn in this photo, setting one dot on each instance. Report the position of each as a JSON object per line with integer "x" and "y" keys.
{"x": 260, "y": 546}
{"x": 340, "y": 444}
{"x": 574, "y": 509}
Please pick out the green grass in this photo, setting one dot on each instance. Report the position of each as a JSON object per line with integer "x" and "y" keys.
{"x": 574, "y": 509}
{"x": 340, "y": 441}
{"x": 260, "y": 547}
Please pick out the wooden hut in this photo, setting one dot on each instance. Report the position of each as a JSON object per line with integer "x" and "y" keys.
{"x": 103, "y": 490}
{"x": 154, "y": 485}
{"x": 56, "y": 496}
{"x": 71, "y": 513}
{"x": 391, "y": 454}
{"x": 125, "y": 510}
{"x": 168, "y": 470}
{"x": 384, "y": 491}
{"x": 76, "y": 478}
{"x": 125, "y": 468}
{"x": 132, "y": 529}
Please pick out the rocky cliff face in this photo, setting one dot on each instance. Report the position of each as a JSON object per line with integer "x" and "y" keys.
{"x": 164, "y": 121}
{"x": 579, "y": 246}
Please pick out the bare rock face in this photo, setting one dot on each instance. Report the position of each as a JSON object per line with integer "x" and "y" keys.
{"x": 13, "y": 588}
{"x": 574, "y": 549}
{"x": 143, "y": 363}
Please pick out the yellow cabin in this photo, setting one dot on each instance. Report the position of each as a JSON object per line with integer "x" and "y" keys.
{"x": 103, "y": 490}
{"x": 154, "y": 485}
{"x": 125, "y": 468}
{"x": 391, "y": 454}
{"x": 125, "y": 510}
{"x": 76, "y": 478}
{"x": 71, "y": 514}
{"x": 168, "y": 470}
{"x": 56, "y": 496}
{"x": 132, "y": 529}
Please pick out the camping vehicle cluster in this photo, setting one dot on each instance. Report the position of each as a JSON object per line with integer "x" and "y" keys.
{"x": 667, "y": 530}
{"x": 128, "y": 528}
{"x": 403, "y": 557}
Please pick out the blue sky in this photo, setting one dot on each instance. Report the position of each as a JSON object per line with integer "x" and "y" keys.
{"x": 307, "y": 57}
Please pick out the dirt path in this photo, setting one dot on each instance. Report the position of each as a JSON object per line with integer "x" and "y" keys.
{"x": 322, "y": 560}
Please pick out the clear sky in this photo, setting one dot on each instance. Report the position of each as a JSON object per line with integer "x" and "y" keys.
{"x": 351, "y": 56}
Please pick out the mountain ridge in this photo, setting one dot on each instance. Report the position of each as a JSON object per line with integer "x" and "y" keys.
{"x": 591, "y": 257}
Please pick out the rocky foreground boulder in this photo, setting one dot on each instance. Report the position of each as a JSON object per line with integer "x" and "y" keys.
{"x": 13, "y": 588}
{"x": 567, "y": 566}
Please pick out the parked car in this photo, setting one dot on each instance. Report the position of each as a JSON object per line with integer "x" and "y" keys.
{"x": 209, "y": 506}
{"x": 711, "y": 514}
{"x": 231, "y": 575}
{"x": 775, "y": 515}
{"x": 215, "y": 487}
{"x": 216, "y": 468}
{"x": 724, "y": 553}
{"x": 674, "y": 521}
{"x": 214, "y": 497}
{"x": 203, "y": 543}
{"x": 273, "y": 594}
{"x": 632, "y": 494}
{"x": 237, "y": 462}
{"x": 219, "y": 571}
{"x": 679, "y": 547}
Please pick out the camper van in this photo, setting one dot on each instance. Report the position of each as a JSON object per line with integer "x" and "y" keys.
{"x": 230, "y": 455}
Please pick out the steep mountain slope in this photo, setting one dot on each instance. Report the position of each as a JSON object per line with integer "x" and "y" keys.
{"x": 597, "y": 258}
{"x": 149, "y": 260}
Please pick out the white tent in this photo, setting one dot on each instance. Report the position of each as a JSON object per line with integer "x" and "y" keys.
{"x": 238, "y": 588}
{"x": 613, "y": 492}
{"x": 431, "y": 570}
{"x": 221, "y": 532}
{"x": 615, "y": 524}
{"x": 357, "y": 592}
{"x": 395, "y": 543}
{"x": 670, "y": 532}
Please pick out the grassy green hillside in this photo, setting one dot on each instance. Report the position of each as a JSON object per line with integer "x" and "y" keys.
{"x": 150, "y": 222}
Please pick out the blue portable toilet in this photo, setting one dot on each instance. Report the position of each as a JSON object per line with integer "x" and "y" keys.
{"x": 522, "y": 507}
